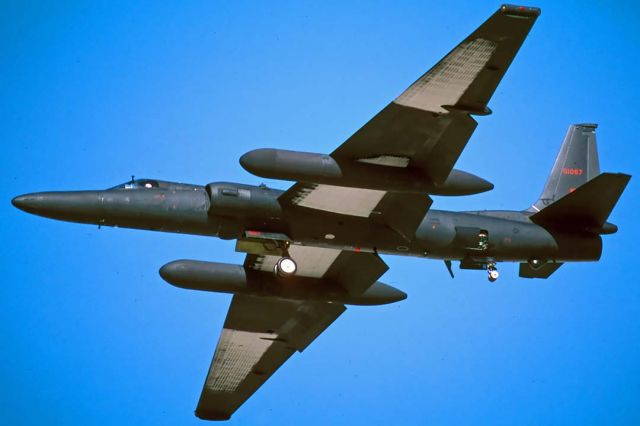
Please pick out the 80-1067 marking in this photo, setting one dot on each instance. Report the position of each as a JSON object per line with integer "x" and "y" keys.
{"x": 569, "y": 171}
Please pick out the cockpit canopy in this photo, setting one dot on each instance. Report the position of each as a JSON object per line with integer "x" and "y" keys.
{"x": 153, "y": 184}
{"x": 138, "y": 183}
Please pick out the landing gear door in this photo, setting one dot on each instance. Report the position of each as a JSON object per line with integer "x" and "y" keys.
{"x": 263, "y": 243}
{"x": 471, "y": 238}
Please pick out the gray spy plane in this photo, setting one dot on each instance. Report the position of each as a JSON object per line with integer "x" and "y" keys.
{"x": 315, "y": 247}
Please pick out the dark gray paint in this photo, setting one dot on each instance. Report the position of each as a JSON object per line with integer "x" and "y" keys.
{"x": 323, "y": 169}
{"x": 235, "y": 279}
{"x": 198, "y": 211}
{"x": 576, "y": 163}
{"x": 288, "y": 313}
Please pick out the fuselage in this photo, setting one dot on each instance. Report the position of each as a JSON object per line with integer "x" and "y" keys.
{"x": 229, "y": 210}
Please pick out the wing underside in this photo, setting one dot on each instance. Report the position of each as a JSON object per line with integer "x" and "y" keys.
{"x": 261, "y": 333}
{"x": 425, "y": 129}
{"x": 430, "y": 123}
{"x": 400, "y": 212}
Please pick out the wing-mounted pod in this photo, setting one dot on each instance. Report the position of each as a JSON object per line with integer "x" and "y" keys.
{"x": 236, "y": 279}
{"x": 385, "y": 172}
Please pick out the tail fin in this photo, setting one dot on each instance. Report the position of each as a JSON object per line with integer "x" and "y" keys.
{"x": 576, "y": 164}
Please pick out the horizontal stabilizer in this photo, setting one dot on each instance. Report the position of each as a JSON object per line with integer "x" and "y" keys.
{"x": 588, "y": 206}
{"x": 544, "y": 271}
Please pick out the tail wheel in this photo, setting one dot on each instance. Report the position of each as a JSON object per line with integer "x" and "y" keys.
{"x": 492, "y": 271}
{"x": 285, "y": 267}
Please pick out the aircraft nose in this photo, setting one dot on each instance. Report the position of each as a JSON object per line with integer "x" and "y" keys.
{"x": 27, "y": 202}
{"x": 63, "y": 205}
{"x": 259, "y": 161}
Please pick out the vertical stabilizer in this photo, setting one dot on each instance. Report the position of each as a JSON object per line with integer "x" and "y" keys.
{"x": 576, "y": 164}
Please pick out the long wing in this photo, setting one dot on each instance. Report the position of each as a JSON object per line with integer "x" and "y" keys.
{"x": 429, "y": 124}
{"x": 261, "y": 333}
{"x": 426, "y": 127}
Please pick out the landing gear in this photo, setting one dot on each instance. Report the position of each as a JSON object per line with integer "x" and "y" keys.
{"x": 285, "y": 267}
{"x": 493, "y": 272}
{"x": 269, "y": 245}
{"x": 483, "y": 240}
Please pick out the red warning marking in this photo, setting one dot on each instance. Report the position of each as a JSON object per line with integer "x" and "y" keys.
{"x": 571, "y": 189}
{"x": 254, "y": 233}
{"x": 573, "y": 172}
{"x": 358, "y": 249}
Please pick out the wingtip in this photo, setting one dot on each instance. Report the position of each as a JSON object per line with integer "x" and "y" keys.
{"x": 590, "y": 126}
{"x": 524, "y": 11}
{"x": 210, "y": 414}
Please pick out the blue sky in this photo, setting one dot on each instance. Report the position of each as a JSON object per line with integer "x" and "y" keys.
{"x": 94, "y": 92}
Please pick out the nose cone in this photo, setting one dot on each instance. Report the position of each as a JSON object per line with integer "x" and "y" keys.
{"x": 259, "y": 162}
{"x": 75, "y": 206}
{"x": 172, "y": 271}
{"x": 21, "y": 202}
{"x": 33, "y": 203}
